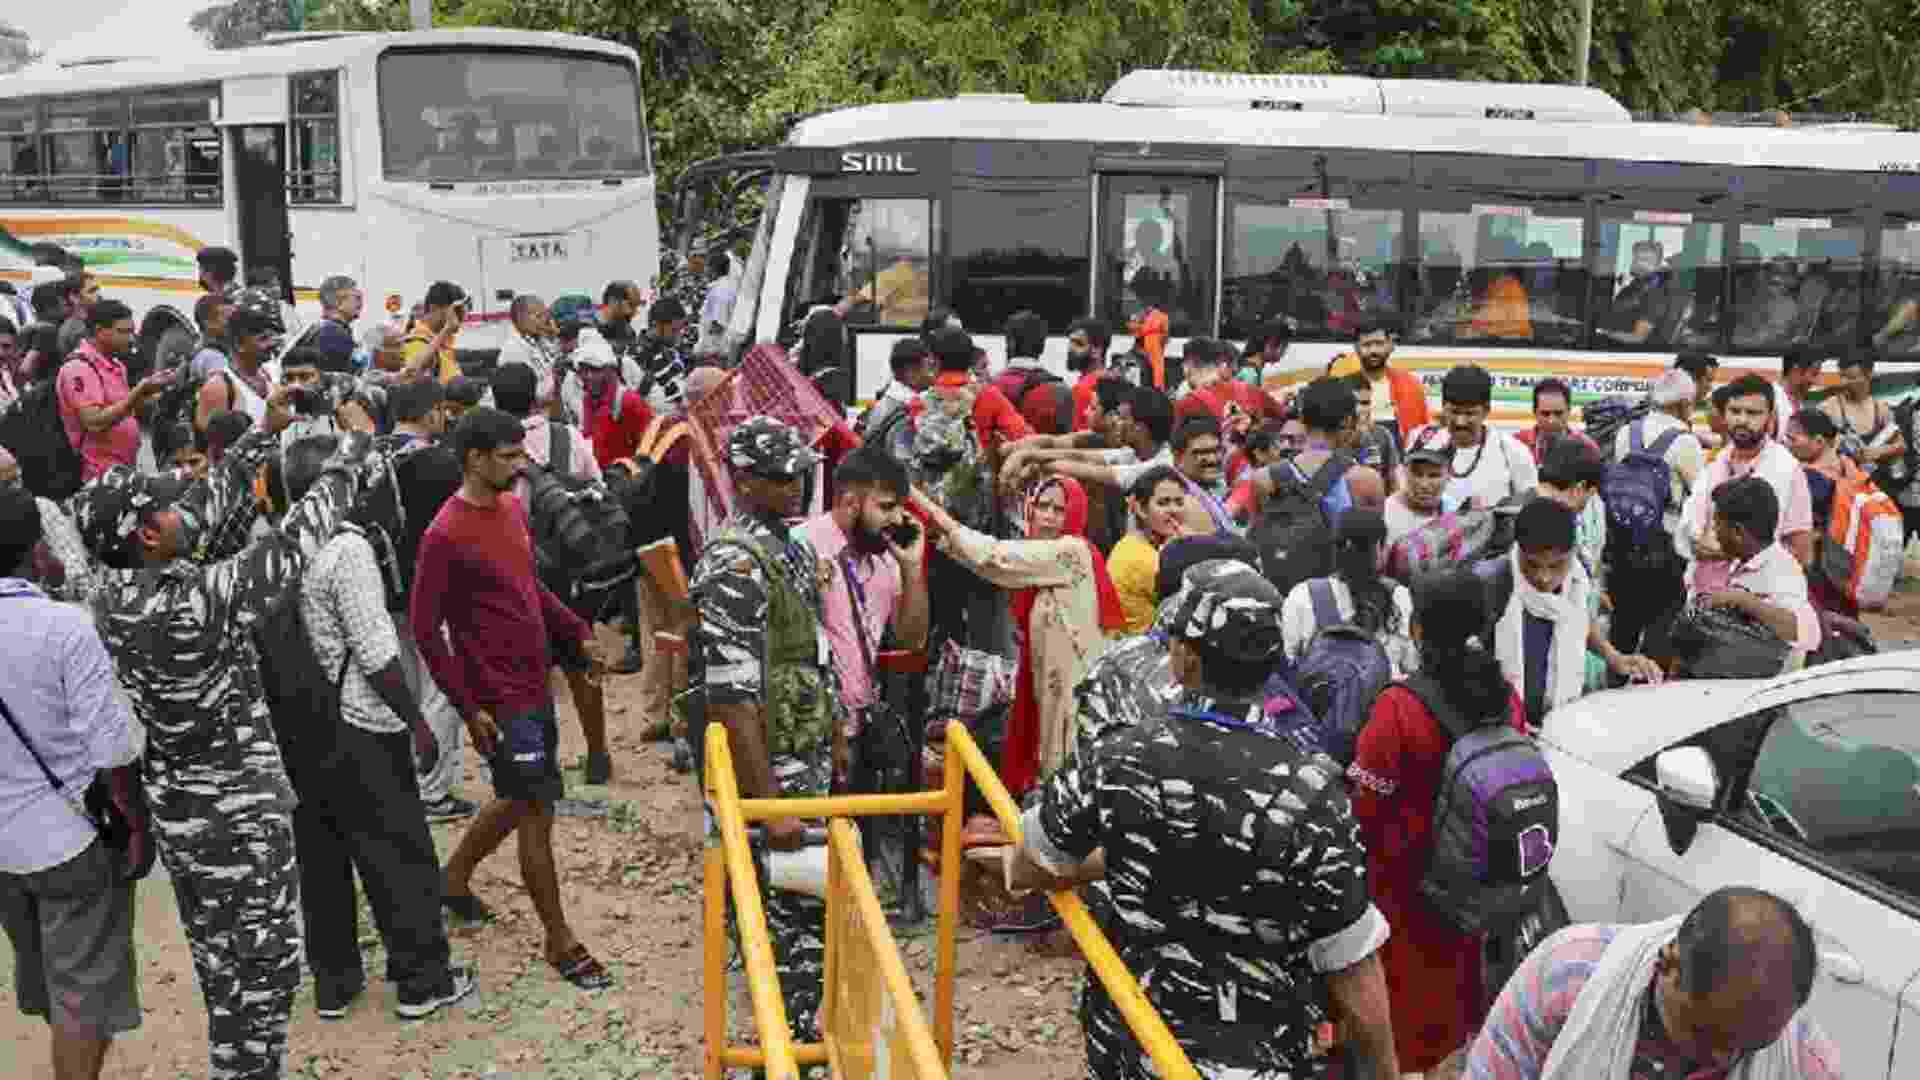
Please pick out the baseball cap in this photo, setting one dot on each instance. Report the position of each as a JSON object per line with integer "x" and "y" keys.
{"x": 573, "y": 311}
{"x": 667, "y": 309}
{"x": 765, "y": 446}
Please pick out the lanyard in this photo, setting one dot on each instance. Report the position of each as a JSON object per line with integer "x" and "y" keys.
{"x": 856, "y": 592}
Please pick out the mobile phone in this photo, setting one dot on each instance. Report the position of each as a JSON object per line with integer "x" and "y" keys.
{"x": 903, "y": 534}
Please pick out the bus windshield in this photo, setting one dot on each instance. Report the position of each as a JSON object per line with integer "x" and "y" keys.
{"x": 469, "y": 114}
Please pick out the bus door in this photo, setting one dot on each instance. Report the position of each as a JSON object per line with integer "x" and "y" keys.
{"x": 260, "y": 182}
{"x": 1158, "y": 259}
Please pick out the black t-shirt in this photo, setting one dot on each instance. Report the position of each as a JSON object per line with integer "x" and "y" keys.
{"x": 1643, "y": 298}
{"x": 335, "y": 342}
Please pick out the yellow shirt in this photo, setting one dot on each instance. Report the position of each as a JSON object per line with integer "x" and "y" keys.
{"x": 1134, "y": 565}
{"x": 418, "y": 338}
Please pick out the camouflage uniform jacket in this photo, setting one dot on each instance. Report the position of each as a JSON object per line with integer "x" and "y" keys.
{"x": 1237, "y": 876}
{"x": 756, "y": 589}
{"x": 179, "y": 634}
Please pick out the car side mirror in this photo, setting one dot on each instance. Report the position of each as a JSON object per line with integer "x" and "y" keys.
{"x": 1689, "y": 785}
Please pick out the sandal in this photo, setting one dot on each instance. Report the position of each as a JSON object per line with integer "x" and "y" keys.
{"x": 582, "y": 970}
{"x": 467, "y": 906}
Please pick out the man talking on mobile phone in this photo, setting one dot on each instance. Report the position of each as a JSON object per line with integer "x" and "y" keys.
{"x": 434, "y": 334}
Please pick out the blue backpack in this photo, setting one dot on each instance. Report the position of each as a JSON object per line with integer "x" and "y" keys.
{"x": 1343, "y": 668}
{"x": 1636, "y": 493}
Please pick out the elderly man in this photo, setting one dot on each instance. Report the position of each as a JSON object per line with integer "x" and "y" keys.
{"x": 386, "y": 359}
{"x": 340, "y": 304}
{"x": 1717, "y": 993}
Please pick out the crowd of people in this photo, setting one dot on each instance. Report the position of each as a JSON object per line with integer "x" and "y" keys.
{"x": 1226, "y": 644}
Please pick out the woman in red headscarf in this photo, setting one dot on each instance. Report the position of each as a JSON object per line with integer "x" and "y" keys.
{"x": 1064, "y": 604}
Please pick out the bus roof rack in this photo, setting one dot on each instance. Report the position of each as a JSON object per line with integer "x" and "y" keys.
{"x": 1172, "y": 88}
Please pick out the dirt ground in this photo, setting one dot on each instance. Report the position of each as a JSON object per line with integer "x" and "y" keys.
{"x": 631, "y": 880}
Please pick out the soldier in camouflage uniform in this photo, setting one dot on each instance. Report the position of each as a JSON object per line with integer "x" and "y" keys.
{"x": 760, "y": 668}
{"x": 175, "y": 615}
{"x": 690, "y": 288}
{"x": 1233, "y": 858}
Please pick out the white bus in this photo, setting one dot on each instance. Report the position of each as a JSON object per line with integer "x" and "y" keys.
{"x": 1496, "y": 224}
{"x": 505, "y": 161}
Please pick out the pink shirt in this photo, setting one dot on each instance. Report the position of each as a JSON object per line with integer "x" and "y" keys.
{"x": 877, "y": 577}
{"x": 1776, "y": 466}
{"x": 88, "y": 378}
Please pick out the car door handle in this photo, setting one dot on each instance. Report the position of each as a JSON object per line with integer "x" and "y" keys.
{"x": 1842, "y": 966}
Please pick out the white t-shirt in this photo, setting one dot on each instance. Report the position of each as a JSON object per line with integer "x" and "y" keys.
{"x": 1684, "y": 458}
{"x": 1128, "y": 468}
{"x": 1297, "y": 623}
{"x": 1403, "y": 519}
{"x": 1494, "y": 470}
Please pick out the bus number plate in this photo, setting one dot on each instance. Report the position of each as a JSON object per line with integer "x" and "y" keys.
{"x": 537, "y": 249}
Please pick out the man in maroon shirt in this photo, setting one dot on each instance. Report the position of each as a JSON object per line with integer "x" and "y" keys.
{"x": 475, "y": 576}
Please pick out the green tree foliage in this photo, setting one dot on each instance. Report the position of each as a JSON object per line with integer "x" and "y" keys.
{"x": 17, "y": 50}
{"x": 242, "y": 22}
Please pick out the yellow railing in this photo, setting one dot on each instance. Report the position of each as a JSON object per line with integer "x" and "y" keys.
{"x": 869, "y": 1010}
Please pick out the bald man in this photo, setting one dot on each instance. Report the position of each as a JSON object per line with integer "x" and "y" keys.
{"x": 701, "y": 380}
{"x": 74, "y": 579}
{"x": 1720, "y": 992}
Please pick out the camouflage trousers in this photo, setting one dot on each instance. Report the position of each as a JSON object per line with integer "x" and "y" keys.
{"x": 235, "y": 880}
{"x": 797, "y": 923}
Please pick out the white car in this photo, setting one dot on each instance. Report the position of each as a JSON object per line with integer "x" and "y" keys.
{"x": 1806, "y": 785}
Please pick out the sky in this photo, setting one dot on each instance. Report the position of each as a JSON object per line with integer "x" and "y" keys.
{"x": 68, "y": 29}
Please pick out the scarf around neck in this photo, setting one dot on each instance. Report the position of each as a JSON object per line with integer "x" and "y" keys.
{"x": 1567, "y": 611}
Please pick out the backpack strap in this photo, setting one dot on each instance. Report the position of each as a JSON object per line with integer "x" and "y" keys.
{"x": 1637, "y": 436}
{"x": 1497, "y": 574}
{"x": 1434, "y": 697}
{"x": 1665, "y": 441}
{"x": 1326, "y": 607}
{"x": 559, "y": 450}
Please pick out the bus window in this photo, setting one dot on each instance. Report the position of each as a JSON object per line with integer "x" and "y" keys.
{"x": 1501, "y": 273}
{"x": 313, "y": 168}
{"x": 1313, "y": 261}
{"x": 1796, "y": 281}
{"x": 20, "y": 154}
{"x": 875, "y": 253}
{"x": 86, "y": 148}
{"x": 1662, "y": 277}
{"x": 1017, "y": 250}
{"x": 462, "y": 114}
{"x": 167, "y": 125}
{"x": 1896, "y": 310}
{"x": 1156, "y": 253}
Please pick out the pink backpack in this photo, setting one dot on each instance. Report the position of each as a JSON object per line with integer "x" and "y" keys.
{"x": 1446, "y": 540}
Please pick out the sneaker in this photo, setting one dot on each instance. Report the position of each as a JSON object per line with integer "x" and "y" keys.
{"x": 332, "y": 1000}
{"x": 599, "y": 768}
{"x": 449, "y": 808}
{"x": 631, "y": 663}
{"x": 460, "y": 982}
{"x": 682, "y": 756}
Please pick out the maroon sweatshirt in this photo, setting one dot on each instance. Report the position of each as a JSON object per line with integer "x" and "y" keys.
{"x": 475, "y": 575}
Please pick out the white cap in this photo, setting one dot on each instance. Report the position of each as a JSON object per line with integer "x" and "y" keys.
{"x": 592, "y": 351}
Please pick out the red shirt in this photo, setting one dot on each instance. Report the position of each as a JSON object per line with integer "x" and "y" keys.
{"x": 1530, "y": 438}
{"x": 1083, "y": 395}
{"x": 476, "y": 576}
{"x": 90, "y": 379}
{"x": 612, "y": 438}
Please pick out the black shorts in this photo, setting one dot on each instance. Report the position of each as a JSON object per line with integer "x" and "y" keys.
{"x": 72, "y": 931}
{"x": 526, "y": 760}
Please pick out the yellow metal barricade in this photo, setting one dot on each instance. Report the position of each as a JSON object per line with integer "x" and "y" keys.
{"x": 871, "y": 1020}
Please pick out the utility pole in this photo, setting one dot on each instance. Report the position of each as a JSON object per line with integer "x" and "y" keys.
{"x": 420, "y": 13}
{"x": 1583, "y": 43}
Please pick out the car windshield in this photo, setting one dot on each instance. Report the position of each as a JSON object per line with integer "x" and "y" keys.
{"x": 465, "y": 114}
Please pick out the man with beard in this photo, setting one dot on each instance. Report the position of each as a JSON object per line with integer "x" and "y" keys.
{"x": 1487, "y": 465}
{"x": 1398, "y": 397}
{"x": 1751, "y": 451}
{"x": 874, "y": 582}
{"x": 1087, "y": 343}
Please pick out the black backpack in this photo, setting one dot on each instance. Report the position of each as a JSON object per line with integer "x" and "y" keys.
{"x": 580, "y": 533}
{"x": 31, "y": 428}
{"x": 1294, "y": 533}
{"x": 303, "y": 697}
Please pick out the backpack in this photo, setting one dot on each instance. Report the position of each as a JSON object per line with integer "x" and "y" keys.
{"x": 31, "y": 427}
{"x": 1343, "y": 668}
{"x": 166, "y": 339}
{"x": 1864, "y": 546}
{"x": 1636, "y": 493}
{"x": 1719, "y": 643}
{"x": 303, "y": 698}
{"x": 1496, "y": 821}
{"x": 1294, "y": 533}
{"x": 634, "y": 480}
{"x": 1441, "y": 542}
{"x": 947, "y": 459}
{"x": 1031, "y": 379}
{"x": 579, "y": 532}
{"x": 1603, "y": 418}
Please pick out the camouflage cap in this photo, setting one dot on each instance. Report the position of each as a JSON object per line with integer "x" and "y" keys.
{"x": 1228, "y": 606}
{"x": 107, "y": 512}
{"x": 766, "y": 447}
{"x": 573, "y": 311}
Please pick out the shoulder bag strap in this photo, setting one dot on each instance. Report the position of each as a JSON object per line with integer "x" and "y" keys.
{"x": 559, "y": 450}
{"x": 1326, "y": 607}
{"x": 856, "y": 593}
{"x": 59, "y": 788}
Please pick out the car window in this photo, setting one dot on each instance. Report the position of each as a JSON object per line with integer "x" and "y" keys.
{"x": 1841, "y": 774}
